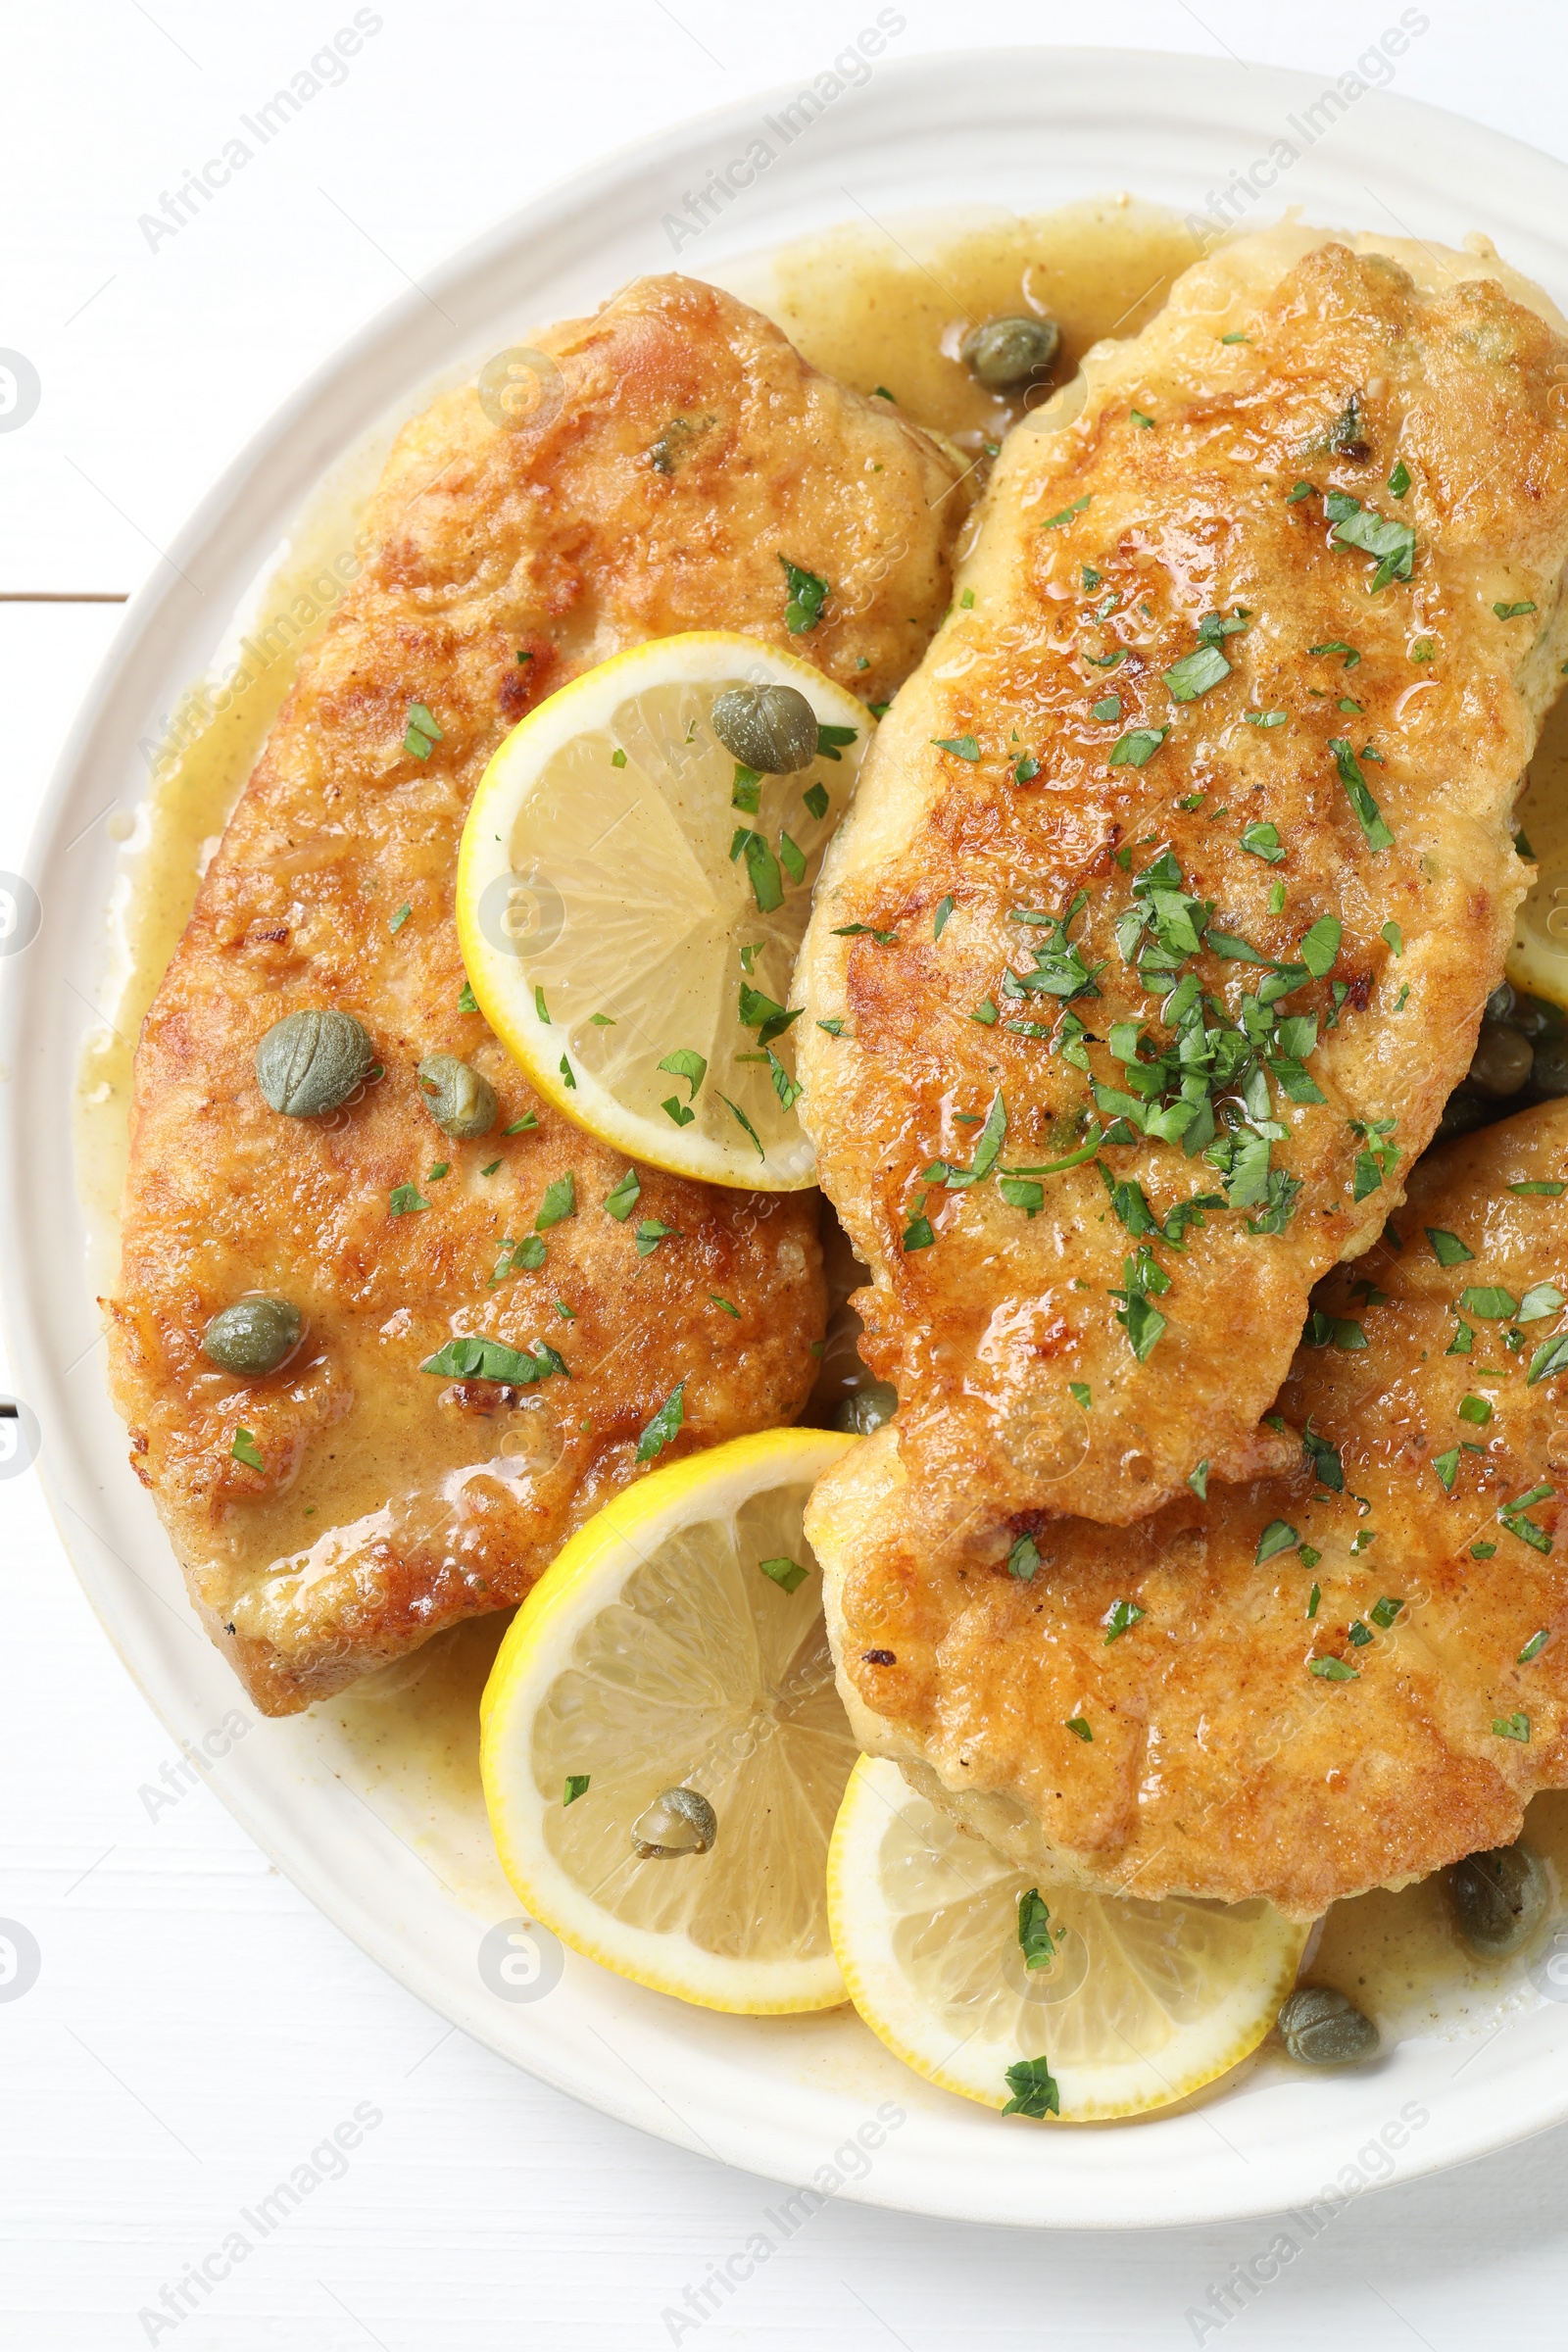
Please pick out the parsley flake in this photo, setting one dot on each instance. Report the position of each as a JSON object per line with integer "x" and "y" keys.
{"x": 1120, "y": 1619}
{"x": 664, "y": 1426}
{"x": 807, "y": 593}
{"x": 1032, "y": 2082}
{"x": 1361, "y": 798}
{"x": 1023, "y": 1559}
{"x": 1138, "y": 746}
{"x": 244, "y": 1449}
{"x": 1196, "y": 673}
{"x": 423, "y": 733}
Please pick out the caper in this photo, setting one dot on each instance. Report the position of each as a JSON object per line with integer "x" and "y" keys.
{"x": 1499, "y": 1899}
{"x": 254, "y": 1335}
{"x": 1500, "y": 1004}
{"x": 1462, "y": 1111}
{"x": 461, "y": 1102}
{"x": 1008, "y": 352}
{"x": 310, "y": 1063}
{"x": 677, "y": 1822}
{"x": 1502, "y": 1061}
{"x": 1549, "y": 1075}
{"x": 1319, "y": 2027}
{"x": 1534, "y": 1019}
{"x": 772, "y": 728}
{"x": 869, "y": 1406}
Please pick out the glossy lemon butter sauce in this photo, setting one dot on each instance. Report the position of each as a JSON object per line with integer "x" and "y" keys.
{"x": 878, "y": 310}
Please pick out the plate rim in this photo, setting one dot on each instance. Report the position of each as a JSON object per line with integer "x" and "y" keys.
{"x": 300, "y": 429}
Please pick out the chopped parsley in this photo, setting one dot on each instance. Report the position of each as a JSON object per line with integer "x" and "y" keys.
{"x": 1196, "y": 673}
{"x": 939, "y": 922}
{"x": 244, "y": 1449}
{"x": 1198, "y": 1480}
{"x": 1477, "y": 1410}
{"x": 650, "y": 1233}
{"x": 1361, "y": 798}
{"x": 406, "y": 1201}
{"x": 1490, "y": 1301}
{"x": 400, "y": 918}
{"x": 817, "y": 800}
{"x": 762, "y": 868}
{"x": 423, "y": 734}
{"x": 467, "y": 1002}
{"x": 1023, "y": 1559}
{"x": 726, "y": 1306}
{"x": 963, "y": 747}
{"x": 491, "y": 1360}
{"x": 1512, "y": 612}
{"x": 664, "y": 1426}
{"x": 1400, "y": 478}
{"x": 529, "y": 1118}
{"x": 1534, "y": 1647}
{"x": 623, "y": 1199}
{"x": 559, "y": 1202}
{"x": 919, "y": 1234}
{"x": 1031, "y": 2081}
{"x": 1265, "y": 719}
{"x": 1550, "y": 1358}
{"x": 737, "y": 1114}
{"x": 1139, "y": 745}
{"x": 575, "y": 1786}
{"x": 1333, "y": 1670}
{"x": 746, "y": 793}
{"x": 1354, "y": 525}
{"x": 1054, "y": 523}
{"x": 1512, "y": 1727}
{"x": 760, "y": 1013}
{"x": 1106, "y": 710}
{"x": 1035, "y": 1939}
{"x": 1279, "y": 1535}
{"x": 1549, "y": 1188}
{"x": 1263, "y": 841}
{"x": 1120, "y": 1619}
{"x": 1446, "y": 1247}
{"x": 787, "y": 1574}
{"x": 807, "y": 593}
{"x": 1337, "y": 645}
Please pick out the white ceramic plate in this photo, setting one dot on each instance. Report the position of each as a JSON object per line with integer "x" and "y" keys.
{"x": 1024, "y": 129}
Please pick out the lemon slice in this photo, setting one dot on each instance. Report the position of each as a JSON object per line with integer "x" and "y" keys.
{"x": 621, "y": 881}
{"x": 1141, "y": 2004}
{"x": 658, "y": 1652}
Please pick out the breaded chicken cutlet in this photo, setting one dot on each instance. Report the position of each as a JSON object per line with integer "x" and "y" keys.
{"x": 338, "y": 1511}
{"x": 1340, "y": 1677}
{"x": 1179, "y": 874}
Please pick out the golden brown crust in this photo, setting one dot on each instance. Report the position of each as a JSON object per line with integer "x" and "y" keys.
{"x": 390, "y": 1503}
{"x": 1219, "y": 1764}
{"x": 1107, "y": 541}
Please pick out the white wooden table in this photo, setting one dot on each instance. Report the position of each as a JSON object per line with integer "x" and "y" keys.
{"x": 195, "y": 2030}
